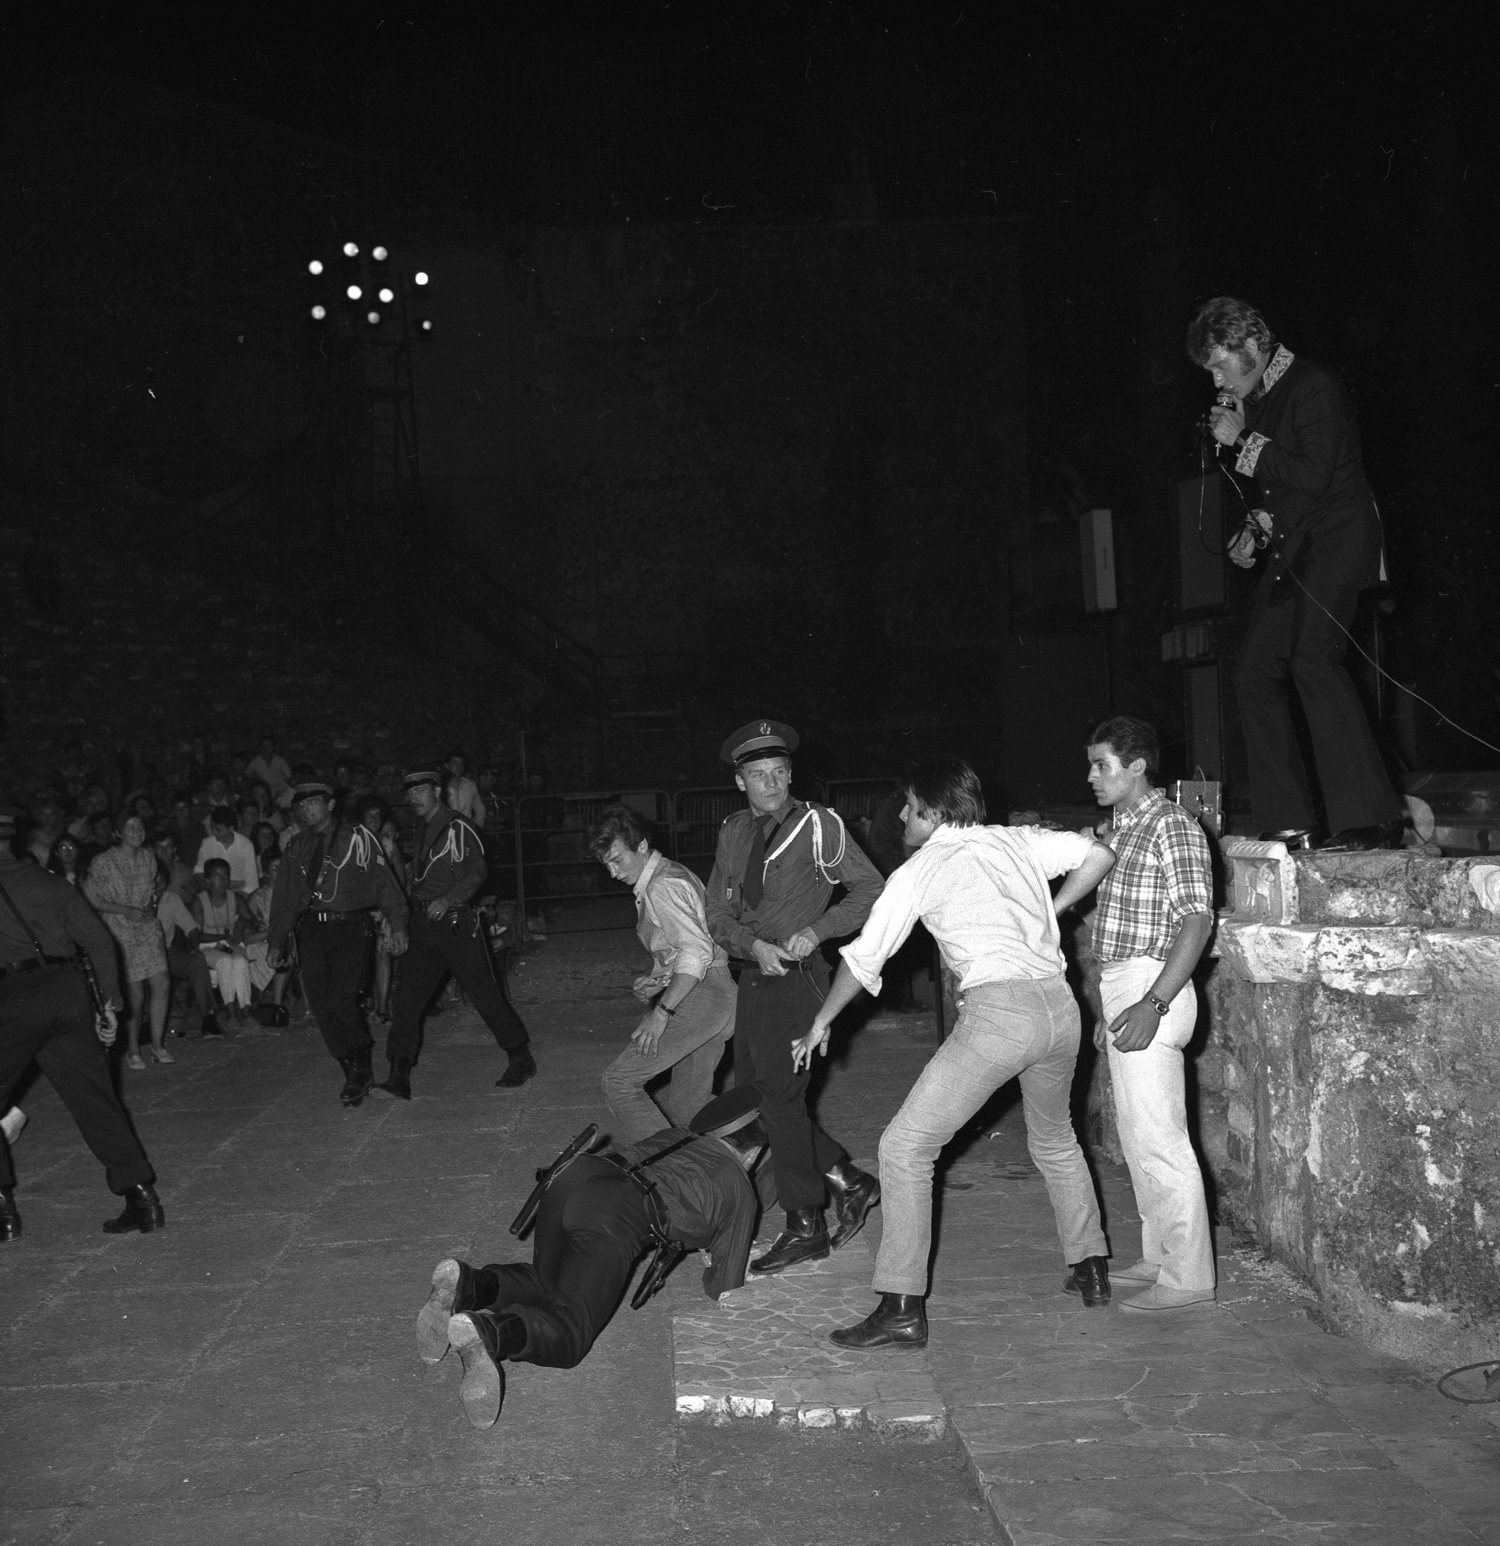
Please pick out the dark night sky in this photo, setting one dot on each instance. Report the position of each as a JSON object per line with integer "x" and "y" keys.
{"x": 1341, "y": 175}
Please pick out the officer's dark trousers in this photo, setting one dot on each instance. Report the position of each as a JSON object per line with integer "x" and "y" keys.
{"x": 1295, "y": 643}
{"x": 333, "y": 958}
{"x": 47, "y": 1015}
{"x": 772, "y": 1012}
{"x": 435, "y": 950}
{"x": 590, "y": 1231}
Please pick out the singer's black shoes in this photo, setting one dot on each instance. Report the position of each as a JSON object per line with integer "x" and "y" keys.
{"x": 1385, "y": 834}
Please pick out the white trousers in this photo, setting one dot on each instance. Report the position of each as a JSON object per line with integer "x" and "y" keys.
{"x": 1151, "y": 1109}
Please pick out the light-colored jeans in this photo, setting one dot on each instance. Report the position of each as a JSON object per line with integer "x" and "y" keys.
{"x": 690, "y": 1046}
{"x": 1151, "y": 1110}
{"x": 1020, "y": 1026}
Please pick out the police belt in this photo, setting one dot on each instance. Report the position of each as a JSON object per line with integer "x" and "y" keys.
{"x": 34, "y": 964}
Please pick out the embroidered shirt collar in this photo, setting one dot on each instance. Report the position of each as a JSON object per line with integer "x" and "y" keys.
{"x": 1128, "y": 815}
{"x": 653, "y": 864}
{"x": 1275, "y": 370}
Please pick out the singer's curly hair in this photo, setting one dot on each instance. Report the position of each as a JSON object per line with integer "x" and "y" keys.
{"x": 1226, "y": 323}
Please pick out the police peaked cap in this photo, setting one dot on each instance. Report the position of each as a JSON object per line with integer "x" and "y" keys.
{"x": 311, "y": 786}
{"x": 728, "y": 1113}
{"x": 760, "y": 738}
{"x": 427, "y": 773}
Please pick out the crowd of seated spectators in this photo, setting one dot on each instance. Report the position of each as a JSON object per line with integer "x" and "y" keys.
{"x": 178, "y": 857}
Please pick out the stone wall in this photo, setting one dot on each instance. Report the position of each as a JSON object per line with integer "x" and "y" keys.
{"x": 1349, "y": 1089}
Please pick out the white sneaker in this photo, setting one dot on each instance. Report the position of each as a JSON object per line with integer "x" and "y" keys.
{"x": 1145, "y": 1272}
{"x": 1158, "y": 1298}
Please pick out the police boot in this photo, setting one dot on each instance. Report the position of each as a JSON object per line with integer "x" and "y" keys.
{"x": 358, "y": 1079}
{"x": 854, "y": 1193}
{"x": 805, "y": 1238}
{"x": 10, "y": 1217}
{"x": 397, "y": 1083}
{"x": 900, "y": 1320}
{"x": 1089, "y": 1279}
{"x": 456, "y": 1288}
{"x": 481, "y": 1339}
{"x": 143, "y": 1211}
{"x": 518, "y": 1070}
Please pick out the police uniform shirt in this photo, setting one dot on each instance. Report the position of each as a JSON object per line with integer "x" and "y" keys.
{"x": 709, "y": 1201}
{"x": 352, "y": 878}
{"x": 796, "y": 892}
{"x": 450, "y": 861}
{"x": 60, "y": 918}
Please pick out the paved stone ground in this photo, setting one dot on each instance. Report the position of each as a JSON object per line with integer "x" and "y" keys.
{"x": 249, "y": 1375}
{"x": 1235, "y": 1422}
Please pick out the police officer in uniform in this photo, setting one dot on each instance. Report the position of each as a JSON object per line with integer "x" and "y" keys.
{"x": 47, "y": 1013}
{"x": 683, "y": 1188}
{"x": 447, "y": 935}
{"x": 774, "y": 874}
{"x": 332, "y": 875}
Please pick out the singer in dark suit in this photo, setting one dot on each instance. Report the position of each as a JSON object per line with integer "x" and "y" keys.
{"x": 1291, "y": 426}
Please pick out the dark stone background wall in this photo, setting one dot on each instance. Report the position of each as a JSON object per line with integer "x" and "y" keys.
{"x": 781, "y": 461}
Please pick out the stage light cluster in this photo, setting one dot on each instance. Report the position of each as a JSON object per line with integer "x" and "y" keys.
{"x": 388, "y": 293}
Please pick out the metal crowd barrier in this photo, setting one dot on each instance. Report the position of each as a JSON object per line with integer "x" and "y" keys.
{"x": 537, "y": 847}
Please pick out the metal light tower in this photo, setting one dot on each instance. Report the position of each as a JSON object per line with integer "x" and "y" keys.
{"x": 364, "y": 313}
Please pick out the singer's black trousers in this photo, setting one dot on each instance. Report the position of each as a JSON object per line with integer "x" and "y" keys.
{"x": 1293, "y": 643}
{"x": 47, "y": 1015}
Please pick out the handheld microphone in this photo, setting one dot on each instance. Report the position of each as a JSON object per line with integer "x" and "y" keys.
{"x": 1224, "y": 398}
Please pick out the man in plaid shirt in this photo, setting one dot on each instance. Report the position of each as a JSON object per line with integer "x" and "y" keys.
{"x": 1154, "y": 918}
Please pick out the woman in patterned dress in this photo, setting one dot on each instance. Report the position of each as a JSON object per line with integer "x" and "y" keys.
{"x": 121, "y": 883}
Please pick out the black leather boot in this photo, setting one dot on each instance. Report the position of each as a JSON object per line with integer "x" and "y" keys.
{"x": 805, "y": 1238}
{"x": 358, "y": 1078}
{"x": 854, "y": 1193}
{"x": 482, "y": 1338}
{"x": 143, "y": 1211}
{"x": 518, "y": 1070}
{"x": 397, "y": 1083}
{"x": 456, "y": 1287}
{"x": 1090, "y": 1279}
{"x": 900, "y": 1320}
{"x": 10, "y": 1218}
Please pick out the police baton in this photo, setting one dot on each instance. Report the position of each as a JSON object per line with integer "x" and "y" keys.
{"x": 545, "y": 1178}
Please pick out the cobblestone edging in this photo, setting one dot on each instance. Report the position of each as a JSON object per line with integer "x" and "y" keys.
{"x": 762, "y": 1354}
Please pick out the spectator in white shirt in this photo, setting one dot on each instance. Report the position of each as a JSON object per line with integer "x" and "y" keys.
{"x": 272, "y": 769}
{"x": 223, "y": 842}
{"x": 983, "y": 893}
{"x": 463, "y": 792}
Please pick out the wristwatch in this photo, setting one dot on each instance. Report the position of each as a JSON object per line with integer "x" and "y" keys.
{"x": 1160, "y": 1005}
{"x": 670, "y": 1012}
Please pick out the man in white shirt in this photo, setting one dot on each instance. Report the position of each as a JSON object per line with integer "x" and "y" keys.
{"x": 983, "y": 893}
{"x": 223, "y": 842}
{"x": 272, "y": 769}
{"x": 462, "y": 793}
{"x": 689, "y": 992}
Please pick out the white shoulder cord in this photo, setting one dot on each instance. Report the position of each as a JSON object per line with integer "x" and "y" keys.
{"x": 823, "y": 867}
{"x": 359, "y": 849}
{"x": 454, "y": 847}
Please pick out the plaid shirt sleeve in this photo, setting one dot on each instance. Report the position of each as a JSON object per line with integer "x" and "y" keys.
{"x": 1182, "y": 852}
{"x": 1162, "y": 875}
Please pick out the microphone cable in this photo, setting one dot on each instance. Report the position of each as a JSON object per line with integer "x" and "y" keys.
{"x": 1411, "y": 692}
